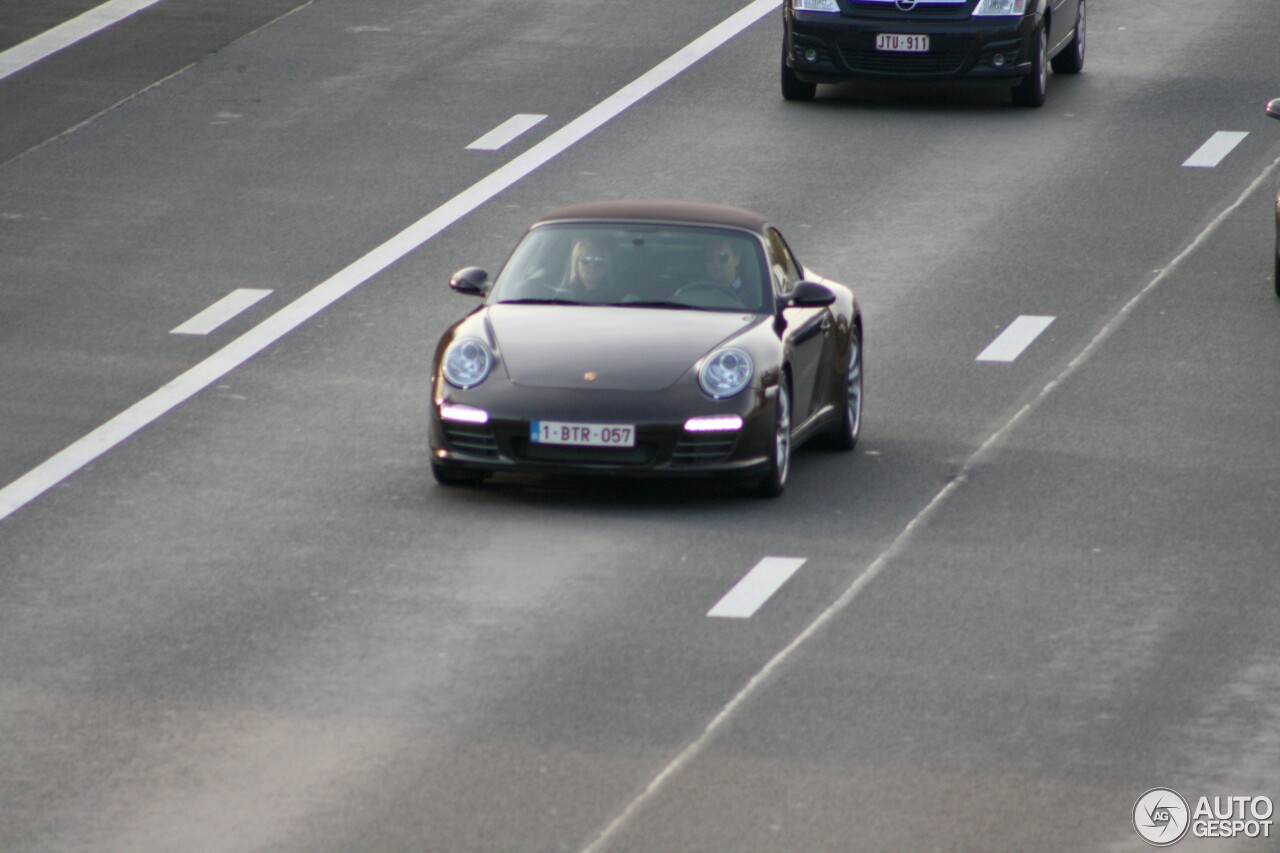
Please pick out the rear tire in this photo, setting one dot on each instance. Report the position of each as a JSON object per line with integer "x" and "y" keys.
{"x": 793, "y": 88}
{"x": 1030, "y": 90}
{"x": 1071, "y": 60}
{"x": 1277, "y": 277}
{"x": 775, "y": 482}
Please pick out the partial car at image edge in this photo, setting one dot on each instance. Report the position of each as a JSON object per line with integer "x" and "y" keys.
{"x": 1273, "y": 110}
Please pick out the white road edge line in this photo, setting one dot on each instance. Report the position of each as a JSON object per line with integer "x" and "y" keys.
{"x": 68, "y": 33}
{"x": 1213, "y": 152}
{"x": 1013, "y": 340}
{"x": 505, "y": 132}
{"x": 898, "y": 545}
{"x": 756, "y": 587}
{"x": 221, "y": 311}
{"x": 70, "y": 460}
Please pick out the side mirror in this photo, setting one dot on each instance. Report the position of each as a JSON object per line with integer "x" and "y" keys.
{"x": 1273, "y": 108}
{"x": 472, "y": 281}
{"x": 810, "y": 294}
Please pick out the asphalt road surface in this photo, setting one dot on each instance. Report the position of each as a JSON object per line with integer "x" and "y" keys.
{"x": 236, "y": 614}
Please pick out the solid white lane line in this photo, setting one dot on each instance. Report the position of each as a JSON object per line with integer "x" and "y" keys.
{"x": 65, "y": 463}
{"x": 877, "y": 567}
{"x": 505, "y": 132}
{"x": 1013, "y": 340}
{"x": 1214, "y": 151}
{"x": 220, "y": 312}
{"x": 756, "y": 587}
{"x": 68, "y": 33}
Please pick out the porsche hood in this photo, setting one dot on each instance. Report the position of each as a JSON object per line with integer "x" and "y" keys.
{"x": 606, "y": 348}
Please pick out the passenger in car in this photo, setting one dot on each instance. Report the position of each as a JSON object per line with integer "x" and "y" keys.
{"x": 590, "y": 275}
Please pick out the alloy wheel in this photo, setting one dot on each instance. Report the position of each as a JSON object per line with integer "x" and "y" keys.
{"x": 853, "y": 402}
{"x": 782, "y": 435}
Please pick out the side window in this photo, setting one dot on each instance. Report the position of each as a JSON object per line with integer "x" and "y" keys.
{"x": 782, "y": 267}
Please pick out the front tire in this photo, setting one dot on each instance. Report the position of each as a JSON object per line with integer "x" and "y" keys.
{"x": 793, "y": 88}
{"x": 851, "y": 421}
{"x": 1071, "y": 60}
{"x": 775, "y": 482}
{"x": 1030, "y": 91}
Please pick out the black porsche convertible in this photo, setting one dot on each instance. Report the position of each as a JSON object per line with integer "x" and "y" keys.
{"x": 647, "y": 338}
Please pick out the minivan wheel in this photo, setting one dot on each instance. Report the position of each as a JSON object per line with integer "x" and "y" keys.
{"x": 793, "y": 88}
{"x": 1030, "y": 90}
{"x": 1071, "y": 60}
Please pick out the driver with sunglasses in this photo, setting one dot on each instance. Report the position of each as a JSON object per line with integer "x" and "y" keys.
{"x": 590, "y": 278}
{"x": 721, "y": 263}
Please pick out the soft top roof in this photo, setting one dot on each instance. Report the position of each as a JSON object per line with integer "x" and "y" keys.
{"x": 694, "y": 213}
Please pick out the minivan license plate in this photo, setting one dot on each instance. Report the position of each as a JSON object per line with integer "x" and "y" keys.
{"x": 902, "y": 43}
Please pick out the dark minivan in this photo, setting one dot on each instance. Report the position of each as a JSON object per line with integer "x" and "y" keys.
{"x": 1008, "y": 43}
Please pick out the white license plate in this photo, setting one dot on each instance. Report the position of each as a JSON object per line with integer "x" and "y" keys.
{"x": 582, "y": 435}
{"x": 902, "y": 43}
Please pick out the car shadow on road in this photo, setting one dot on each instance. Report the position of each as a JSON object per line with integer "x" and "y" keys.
{"x": 641, "y": 493}
{"x": 931, "y": 96}
{"x": 926, "y": 97}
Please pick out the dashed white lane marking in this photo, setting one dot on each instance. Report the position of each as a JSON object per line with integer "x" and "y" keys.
{"x": 505, "y": 132}
{"x": 1215, "y": 150}
{"x": 878, "y": 566}
{"x": 71, "y": 459}
{"x": 68, "y": 33}
{"x": 1013, "y": 340}
{"x": 756, "y": 587}
{"x": 220, "y": 312}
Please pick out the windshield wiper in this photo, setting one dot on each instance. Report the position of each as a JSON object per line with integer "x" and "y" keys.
{"x": 539, "y": 301}
{"x": 656, "y": 304}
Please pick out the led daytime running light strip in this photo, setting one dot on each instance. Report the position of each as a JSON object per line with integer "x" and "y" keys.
{"x": 466, "y": 414}
{"x": 714, "y": 423}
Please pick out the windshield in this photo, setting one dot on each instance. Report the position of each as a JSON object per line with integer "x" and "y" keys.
{"x": 627, "y": 264}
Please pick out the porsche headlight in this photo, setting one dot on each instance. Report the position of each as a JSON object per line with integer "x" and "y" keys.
{"x": 467, "y": 362}
{"x": 1000, "y": 7}
{"x": 725, "y": 373}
